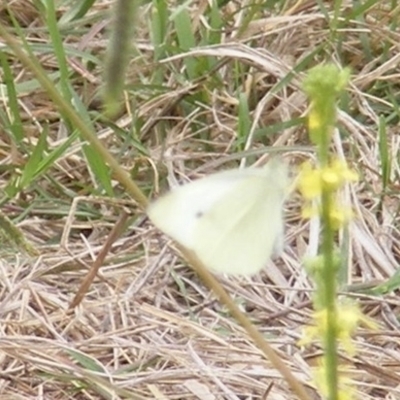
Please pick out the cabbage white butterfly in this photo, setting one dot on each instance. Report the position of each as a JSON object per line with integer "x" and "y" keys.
{"x": 232, "y": 220}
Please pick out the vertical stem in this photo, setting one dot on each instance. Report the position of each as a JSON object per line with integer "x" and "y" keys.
{"x": 329, "y": 288}
{"x": 323, "y": 85}
{"x": 329, "y": 276}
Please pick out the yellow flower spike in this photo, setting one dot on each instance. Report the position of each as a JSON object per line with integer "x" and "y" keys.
{"x": 331, "y": 179}
{"x": 346, "y": 174}
{"x": 346, "y": 389}
{"x": 313, "y": 180}
{"x": 349, "y": 317}
{"x": 337, "y": 174}
{"x": 309, "y": 183}
{"x": 310, "y": 333}
{"x": 314, "y": 120}
{"x": 339, "y": 217}
{"x": 319, "y": 188}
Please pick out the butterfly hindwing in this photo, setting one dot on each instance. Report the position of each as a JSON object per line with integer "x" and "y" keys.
{"x": 238, "y": 236}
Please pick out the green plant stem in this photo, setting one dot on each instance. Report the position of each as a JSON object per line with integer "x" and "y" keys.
{"x": 328, "y": 274}
{"x": 323, "y": 147}
{"x": 329, "y": 290}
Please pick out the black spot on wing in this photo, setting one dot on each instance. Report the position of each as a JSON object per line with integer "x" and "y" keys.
{"x": 199, "y": 214}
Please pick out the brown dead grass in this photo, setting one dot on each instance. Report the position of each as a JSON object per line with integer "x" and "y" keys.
{"x": 148, "y": 328}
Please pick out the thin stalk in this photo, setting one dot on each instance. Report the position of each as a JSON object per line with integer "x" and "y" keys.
{"x": 329, "y": 283}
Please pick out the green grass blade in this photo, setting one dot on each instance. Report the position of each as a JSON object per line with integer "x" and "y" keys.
{"x": 392, "y": 284}
{"x": 31, "y": 167}
{"x": 244, "y": 121}
{"x": 77, "y": 11}
{"x": 186, "y": 39}
{"x": 58, "y": 48}
{"x": 384, "y": 153}
{"x": 14, "y": 119}
{"x": 96, "y": 163}
{"x": 158, "y": 28}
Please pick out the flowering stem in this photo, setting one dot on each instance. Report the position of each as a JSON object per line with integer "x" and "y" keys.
{"x": 323, "y": 85}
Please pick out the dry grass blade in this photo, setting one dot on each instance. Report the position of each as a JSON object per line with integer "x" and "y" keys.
{"x": 87, "y": 281}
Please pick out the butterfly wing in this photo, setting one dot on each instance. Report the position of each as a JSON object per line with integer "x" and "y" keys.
{"x": 240, "y": 231}
{"x": 178, "y": 212}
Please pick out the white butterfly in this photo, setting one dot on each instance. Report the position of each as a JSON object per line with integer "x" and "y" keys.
{"x": 232, "y": 220}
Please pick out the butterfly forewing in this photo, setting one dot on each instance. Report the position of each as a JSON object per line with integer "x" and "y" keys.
{"x": 178, "y": 212}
